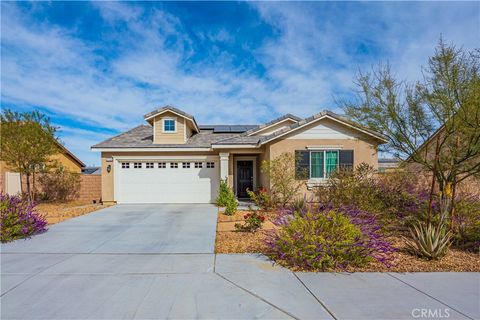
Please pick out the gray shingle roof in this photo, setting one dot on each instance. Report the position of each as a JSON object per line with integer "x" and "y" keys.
{"x": 259, "y": 127}
{"x": 142, "y": 137}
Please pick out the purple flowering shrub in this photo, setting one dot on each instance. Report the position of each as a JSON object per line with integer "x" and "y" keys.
{"x": 19, "y": 219}
{"x": 325, "y": 238}
{"x": 395, "y": 198}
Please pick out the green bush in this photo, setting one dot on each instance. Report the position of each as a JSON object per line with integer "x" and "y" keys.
{"x": 320, "y": 242}
{"x": 60, "y": 185}
{"x": 225, "y": 193}
{"x": 231, "y": 206}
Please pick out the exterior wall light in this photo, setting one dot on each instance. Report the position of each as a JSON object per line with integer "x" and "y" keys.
{"x": 109, "y": 168}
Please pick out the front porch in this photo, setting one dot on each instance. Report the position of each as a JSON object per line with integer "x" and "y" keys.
{"x": 242, "y": 171}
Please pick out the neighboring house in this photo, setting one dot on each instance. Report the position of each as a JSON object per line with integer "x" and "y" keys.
{"x": 470, "y": 185}
{"x": 92, "y": 170}
{"x": 10, "y": 181}
{"x": 173, "y": 159}
{"x": 388, "y": 164}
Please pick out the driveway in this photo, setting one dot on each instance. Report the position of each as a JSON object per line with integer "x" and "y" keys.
{"x": 157, "y": 262}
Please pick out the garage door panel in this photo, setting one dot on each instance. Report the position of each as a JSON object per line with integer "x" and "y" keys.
{"x": 167, "y": 185}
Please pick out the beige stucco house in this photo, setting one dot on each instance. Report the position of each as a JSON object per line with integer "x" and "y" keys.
{"x": 11, "y": 182}
{"x": 172, "y": 159}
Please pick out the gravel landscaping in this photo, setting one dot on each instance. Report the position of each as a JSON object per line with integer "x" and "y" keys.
{"x": 229, "y": 240}
{"x": 60, "y": 211}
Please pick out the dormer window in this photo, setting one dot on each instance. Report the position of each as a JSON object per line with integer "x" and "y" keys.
{"x": 169, "y": 125}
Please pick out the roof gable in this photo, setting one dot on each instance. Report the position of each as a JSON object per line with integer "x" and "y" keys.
{"x": 316, "y": 118}
{"x": 151, "y": 115}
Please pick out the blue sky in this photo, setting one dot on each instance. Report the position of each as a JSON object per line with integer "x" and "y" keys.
{"x": 97, "y": 67}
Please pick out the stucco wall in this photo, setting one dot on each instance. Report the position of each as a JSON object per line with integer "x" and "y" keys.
{"x": 364, "y": 151}
{"x": 67, "y": 161}
{"x": 63, "y": 159}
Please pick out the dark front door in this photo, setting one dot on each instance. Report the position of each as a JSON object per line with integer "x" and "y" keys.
{"x": 244, "y": 178}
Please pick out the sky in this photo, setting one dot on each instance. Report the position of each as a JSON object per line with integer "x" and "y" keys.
{"x": 95, "y": 68}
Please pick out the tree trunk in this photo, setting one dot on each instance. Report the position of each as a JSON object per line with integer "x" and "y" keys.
{"x": 452, "y": 204}
{"x": 432, "y": 189}
{"x": 29, "y": 191}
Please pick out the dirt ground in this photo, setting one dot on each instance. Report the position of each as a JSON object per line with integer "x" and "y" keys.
{"x": 231, "y": 241}
{"x": 60, "y": 211}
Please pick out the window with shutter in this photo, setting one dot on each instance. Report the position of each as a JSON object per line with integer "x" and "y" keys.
{"x": 346, "y": 159}
{"x": 302, "y": 164}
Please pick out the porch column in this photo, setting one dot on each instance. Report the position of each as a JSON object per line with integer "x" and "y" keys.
{"x": 224, "y": 165}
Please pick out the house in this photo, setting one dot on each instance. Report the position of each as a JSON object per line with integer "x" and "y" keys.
{"x": 386, "y": 165}
{"x": 10, "y": 181}
{"x": 173, "y": 159}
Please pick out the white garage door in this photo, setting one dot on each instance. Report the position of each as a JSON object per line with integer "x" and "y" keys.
{"x": 167, "y": 181}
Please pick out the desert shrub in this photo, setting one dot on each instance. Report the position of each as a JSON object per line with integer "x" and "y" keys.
{"x": 18, "y": 218}
{"x": 466, "y": 222}
{"x": 352, "y": 187}
{"x": 261, "y": 198}
{"x": 430, "y": 241}
{"x": 326, "y": 238}
{"x": 225, "y": 193}
{"x": 281, "y": 172}
{"x": 231, "y": 206}
{"x": 300, "y": 205}
{"x": 394, "y": 197}
{"x": 253, "y": 222}
{"x": 60, "y": 185}
{"x": 226, "y": 198}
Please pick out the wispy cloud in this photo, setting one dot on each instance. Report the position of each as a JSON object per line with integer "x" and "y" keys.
{"x": 138, "y": 56}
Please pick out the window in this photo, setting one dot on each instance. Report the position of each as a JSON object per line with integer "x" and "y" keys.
{"x": 137, "y": 165}
{"x": 185, "y": 165}
{"x": 323, "y": 163}
{"x": 149, "y": 165}
{"x": 210, "y": 164}
{"x": 316, "y": 164}
{"x": 174, "y": 165}
{"x": 162, "y": 165}
{"x": 320, "y": 164}
{"x": 169, "y": 125}
{"x": 125, "y": 165}
{"x": 198, "y": 165}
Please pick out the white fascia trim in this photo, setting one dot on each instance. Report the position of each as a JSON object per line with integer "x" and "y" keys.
{"x": 149, "y": 149}
{"x": 234, "y": 146}
{"x": 323, "y": 117}
{"x": 178, "y": 114}
{"x": 273, "y": 124}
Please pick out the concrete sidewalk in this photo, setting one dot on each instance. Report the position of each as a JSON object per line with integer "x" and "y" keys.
{"x": 157, "y": 262}
{"x": 188, "y": 286}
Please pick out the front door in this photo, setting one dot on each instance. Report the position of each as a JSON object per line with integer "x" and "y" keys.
{"x": 244, "y": 177}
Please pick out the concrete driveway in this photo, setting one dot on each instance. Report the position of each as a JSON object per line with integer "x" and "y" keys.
{"x": 157, "y": 262}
